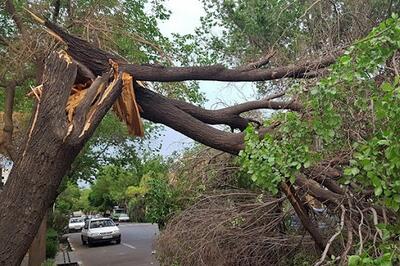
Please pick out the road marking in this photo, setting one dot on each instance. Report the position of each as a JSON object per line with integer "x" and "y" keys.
{"x": 129, "y": 246}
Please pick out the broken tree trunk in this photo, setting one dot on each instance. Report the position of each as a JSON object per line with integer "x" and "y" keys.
{"x": 51, "y": 145}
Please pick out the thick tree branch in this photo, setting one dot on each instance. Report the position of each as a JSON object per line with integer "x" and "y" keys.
{"x": 302, "y": 214}
{"x": 315, "y": 190}
{"x": 97, "y": 61}
{"x": 231, "y": 115}
{"x": 160, "y": 109}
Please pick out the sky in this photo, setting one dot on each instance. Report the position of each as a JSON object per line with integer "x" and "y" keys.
{"x": 184, "y": 19}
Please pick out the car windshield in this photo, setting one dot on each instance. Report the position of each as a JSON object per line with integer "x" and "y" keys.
{"x": 123, "y": 215}
{"x": 101, "y": 223}
{"x": 75, "y": 220}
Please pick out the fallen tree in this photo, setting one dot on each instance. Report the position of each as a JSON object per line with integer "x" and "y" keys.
{"x": 57, "y": 133}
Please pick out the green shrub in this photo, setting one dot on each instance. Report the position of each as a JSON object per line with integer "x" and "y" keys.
{"x": 58, "y": 221}
{"x": 51, "y": 243}
{"x": 160, "y": 200}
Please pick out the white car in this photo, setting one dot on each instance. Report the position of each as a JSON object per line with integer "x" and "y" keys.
{"x": 123, "y": 217}
{"x": 100, "y": 230}
{"x": 75, "y": 224}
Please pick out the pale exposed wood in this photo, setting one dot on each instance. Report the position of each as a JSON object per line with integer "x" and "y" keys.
{"x": 127, "y": 108}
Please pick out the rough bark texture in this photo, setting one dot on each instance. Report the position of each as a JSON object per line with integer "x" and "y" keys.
{"x": 38, "y": 172}
{"x": 45, "y": 158}
{"x": 37, "y": 251}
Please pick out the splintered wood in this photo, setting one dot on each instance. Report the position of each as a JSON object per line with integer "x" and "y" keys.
{"x": 73, "y": 101}
{"x": 127, "y": 108}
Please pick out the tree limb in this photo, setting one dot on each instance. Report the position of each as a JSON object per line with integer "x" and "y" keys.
{"x": 97, "y": 60}
{"x": 231, "y": 115}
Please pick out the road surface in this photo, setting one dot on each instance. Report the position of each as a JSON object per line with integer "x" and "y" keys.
{"x": 135, "y": 249}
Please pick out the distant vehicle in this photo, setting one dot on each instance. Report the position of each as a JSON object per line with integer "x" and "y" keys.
{"x": 75, "y": 224}
{"x": 117, "y": 211}
{"x": 123, "y": 217}
{"x": 77, "y": 214}
{"x": 100, "y": 230}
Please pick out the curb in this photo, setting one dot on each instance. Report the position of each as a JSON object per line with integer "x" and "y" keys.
{"x": 70, "y": 244}
{"x": 68, "y": 255}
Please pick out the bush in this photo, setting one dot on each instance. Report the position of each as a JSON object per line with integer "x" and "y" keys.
{"x": 51, "y": 243}
{"x": 160, "y": 201}
{"x": 136, "y": 210}
{"x": 58, "y": 221}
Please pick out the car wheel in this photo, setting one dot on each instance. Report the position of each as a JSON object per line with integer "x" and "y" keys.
{"x": 118, "y": 241}
{"x": 83, "y": 241}
{"x": 90, "y": 244}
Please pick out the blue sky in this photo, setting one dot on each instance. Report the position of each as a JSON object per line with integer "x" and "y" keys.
{"x": 184, "y": 19}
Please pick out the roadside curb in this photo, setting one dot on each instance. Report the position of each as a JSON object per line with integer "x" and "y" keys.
{"x": 67, "y": 257}
{"x": 70, "y": 244}
{"x": 73, "y": 249}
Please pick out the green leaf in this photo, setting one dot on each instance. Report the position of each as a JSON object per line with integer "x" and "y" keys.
{"x": 354, "y": 260}
{"x": 378, "y": 191}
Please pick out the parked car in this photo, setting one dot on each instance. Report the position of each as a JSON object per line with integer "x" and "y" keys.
{"x": 123, "y": 217}
{"x": 75, "y": 224}
{"x": 100, "y": 230}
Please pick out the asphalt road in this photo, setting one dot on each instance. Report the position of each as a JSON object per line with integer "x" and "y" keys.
{"x": 135, "y": 249}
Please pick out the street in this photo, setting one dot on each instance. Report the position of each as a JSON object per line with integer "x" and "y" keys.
{"x": 135, "y": 249}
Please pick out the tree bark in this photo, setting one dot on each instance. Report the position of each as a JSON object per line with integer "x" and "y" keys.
{"x": 49, "y": 150}
{"x": 97, "y": 60}
{"x": 37, "y": 251}
{"x": 302, "y": 214}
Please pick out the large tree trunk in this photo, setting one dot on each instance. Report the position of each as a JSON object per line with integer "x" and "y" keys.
{"x": 37, "y": 251}
{"x": 47, "y": 154}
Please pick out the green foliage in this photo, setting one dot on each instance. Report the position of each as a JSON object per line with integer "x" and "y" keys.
{"x": 58, "y": 221}
{"x": 160, "y": 200}
{"x": 385, "y": 260}
{"x": 51, "y": 243}
{"x": 376, "y": 162}
{"x": 273, "y": 160}
{"x": 277, "y": 158}
{"x": 109, "y": 188}
{"x": 67, "y": 201}
{"x": 348, "y": 100}
{"x": 126, "y": 186}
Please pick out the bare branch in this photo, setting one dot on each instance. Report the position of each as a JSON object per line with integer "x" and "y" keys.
{"x": 349, "y": 243}
{"x": 160, "y": 109}
{"x": 231, "y": 115}
{"x": 330, "y": 241}
{"x": 259, "y": 63}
